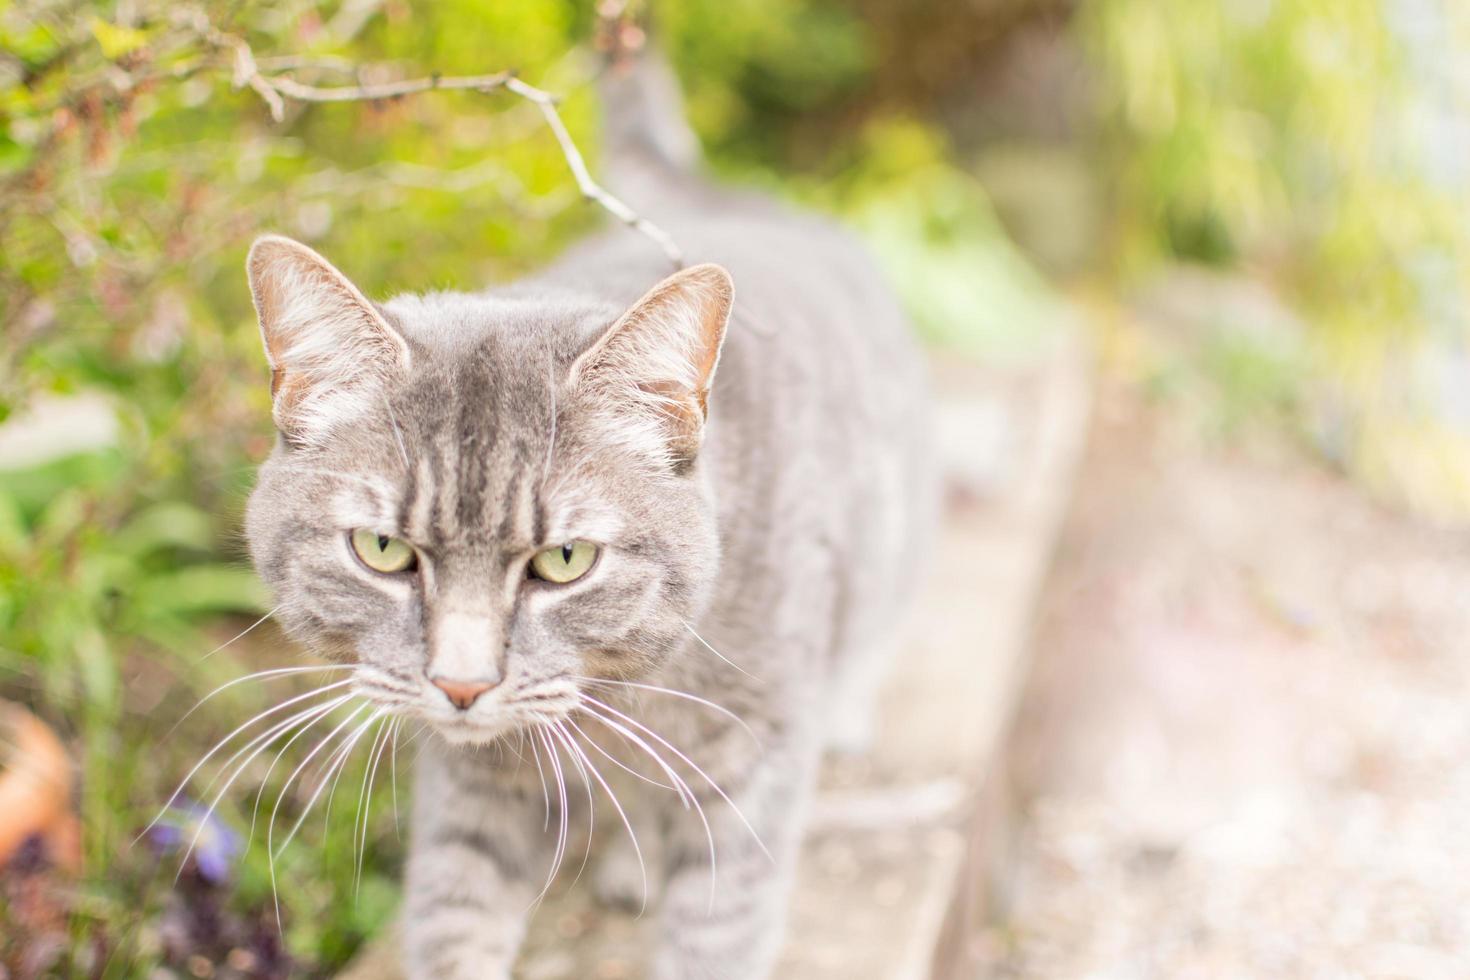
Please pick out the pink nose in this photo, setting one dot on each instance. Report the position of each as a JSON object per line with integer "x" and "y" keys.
{"x": 461, "y": 694}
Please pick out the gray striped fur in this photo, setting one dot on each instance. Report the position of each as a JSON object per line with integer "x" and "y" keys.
{"x": 788, "y": 542}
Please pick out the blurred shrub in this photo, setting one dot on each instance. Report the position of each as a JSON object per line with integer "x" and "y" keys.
{"x": 132, "y": 177}
{"x": 934, "y": 231}
{"x": 1322, "y": 143}
{"x": 757, "y": 71}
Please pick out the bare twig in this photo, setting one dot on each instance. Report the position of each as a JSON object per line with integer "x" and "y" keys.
{"x": 293, "y": 62}
{"x": 287, "y": 87}
{"x": 277, "y": 89}
{"x": 590, "y": 189}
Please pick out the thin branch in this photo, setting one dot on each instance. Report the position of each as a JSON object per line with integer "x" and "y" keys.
{"x": 289, "y": 88}
{"x": 590, "y": 189}
{"x": 277, "y": 89}
{"x": 293, "y": 62}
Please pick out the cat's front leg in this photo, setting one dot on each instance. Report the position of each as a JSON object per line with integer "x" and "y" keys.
{"x": 730, "y": 927}
{"x": 477, "y": 850}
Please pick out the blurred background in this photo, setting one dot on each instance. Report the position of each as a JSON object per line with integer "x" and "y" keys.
{"x": 1253, "y": 215}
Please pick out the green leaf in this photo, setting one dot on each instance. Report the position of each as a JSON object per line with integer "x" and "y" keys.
{"x": 12, "y": 524}
{"x": 962, "y": 280}
{"x": 31, "y": 43}
{"x": 173, "y": 524}
{"x": 98, "y": 669}
{"x": 116, "y": 40}
{"x": 201, "y": 589}
{"x": 36, "y": 489}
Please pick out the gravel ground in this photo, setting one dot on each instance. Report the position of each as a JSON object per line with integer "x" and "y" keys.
{"x": 1249, "y": 755}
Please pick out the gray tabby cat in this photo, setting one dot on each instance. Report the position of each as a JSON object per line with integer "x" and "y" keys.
{"x": 532, "y": 516}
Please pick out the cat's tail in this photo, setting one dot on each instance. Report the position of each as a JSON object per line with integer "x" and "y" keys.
{"x": 645, "y": 136}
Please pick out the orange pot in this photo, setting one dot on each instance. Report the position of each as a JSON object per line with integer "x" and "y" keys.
{"x": 35, "y": 787}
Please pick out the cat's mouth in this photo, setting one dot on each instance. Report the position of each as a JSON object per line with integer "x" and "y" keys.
{"x": 478, "y": 729}
{"x": 489, "y": 716}
{"x": 481, "y": 726}
{"x": 467, "y": 733}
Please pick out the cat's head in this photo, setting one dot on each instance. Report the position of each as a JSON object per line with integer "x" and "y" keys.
{"x": 482, "y": 502}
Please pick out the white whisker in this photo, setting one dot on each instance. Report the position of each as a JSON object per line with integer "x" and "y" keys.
{"x": 518, "y": 750}
{"x": 679, "y": 694}
{"x": 393, "y": 770}
{"x": 717, "y": 653}
{"x": 545, "y": 794}
{"x": 685, "y": 793}
{"x": 258, "y": 675}
{"x": 332, "y": 769}
{"x": 270, "y": 827}
{"x": 692, "y": 765}
{"x": 563, "y": 830}
{"x": 362, "y": 787}
{"x": 259, "y": 744}
{"x": 613, "y": 798}
{"x": 561, "y": 833}
{"x": 227, "y": 739}
{"x": 239, "y": 634}
{"x": 264, "y": 739}
{"x": 281, "y": 754}
{"x": 332, "y": 793}
{"x": 551, "y": 445}
{"x": 375, "y": 756}
{"x": 618, "y": 762}
{"x": 397, "y": 432}
{"x": 562, "y": 736}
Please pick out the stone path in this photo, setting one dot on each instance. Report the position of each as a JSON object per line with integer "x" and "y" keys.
{"x": 1246, "y": 748}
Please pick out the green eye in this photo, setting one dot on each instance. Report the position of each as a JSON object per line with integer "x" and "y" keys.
{"x": 382, "y": 553}
{"x": 564, "y": 563}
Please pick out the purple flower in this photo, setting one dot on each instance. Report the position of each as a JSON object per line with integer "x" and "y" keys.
{"x": 215, "y": 845}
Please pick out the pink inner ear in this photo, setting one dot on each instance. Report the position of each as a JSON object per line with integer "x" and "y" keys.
{"x": 659, "y": 358}
{"x": 329, "y": 349}
{"x": 717, "y": 294}
{"x": 670, "y": 339}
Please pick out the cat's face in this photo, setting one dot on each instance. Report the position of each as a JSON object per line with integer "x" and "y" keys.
{"x": 487, "y": 507}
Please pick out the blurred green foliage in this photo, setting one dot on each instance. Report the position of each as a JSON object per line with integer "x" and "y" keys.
{"x": 1280, "y": 136}
{"x": 1320, "y": 144}
{"x": 1285, "y": 132}
{"x": 133, "y": 175}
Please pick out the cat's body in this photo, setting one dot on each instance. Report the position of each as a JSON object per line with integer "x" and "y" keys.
{"x": 758, "y": 561}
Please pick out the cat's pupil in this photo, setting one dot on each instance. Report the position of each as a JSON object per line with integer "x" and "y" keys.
{"x": 382, "y": 542}
{"x": 566, "y": 554}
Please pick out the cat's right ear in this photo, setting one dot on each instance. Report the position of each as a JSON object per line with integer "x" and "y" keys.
{"x": 658, "y": 360}
{"x": 331, "y": 353}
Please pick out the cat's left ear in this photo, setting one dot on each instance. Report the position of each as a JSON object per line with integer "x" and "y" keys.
{"x": 659, "y": 358}
{"x": 331, "y": 353}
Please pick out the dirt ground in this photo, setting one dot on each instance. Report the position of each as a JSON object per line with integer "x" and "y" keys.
{"x": 1250, "y": 752}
